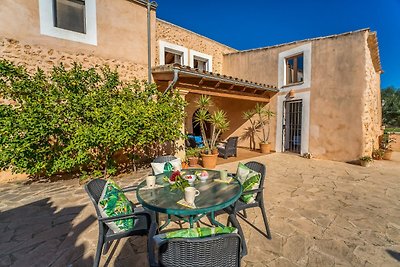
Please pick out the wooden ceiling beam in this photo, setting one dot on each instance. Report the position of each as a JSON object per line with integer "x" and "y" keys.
{"x": 221, "y": 93}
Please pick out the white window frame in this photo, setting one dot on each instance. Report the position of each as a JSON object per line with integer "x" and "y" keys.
{"x": 306, "y": 83}
{"x": 205, "y": 57}
{"x": 163, "y": 45}
{"x": 46, "y": 13}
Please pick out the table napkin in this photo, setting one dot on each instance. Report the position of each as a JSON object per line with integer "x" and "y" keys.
{"x": 185, "y": 204}
{"x": 222, "y": 181}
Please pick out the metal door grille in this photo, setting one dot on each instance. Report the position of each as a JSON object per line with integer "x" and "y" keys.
{"x": 293, "y": 118}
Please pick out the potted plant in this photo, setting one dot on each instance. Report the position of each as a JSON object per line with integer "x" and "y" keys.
{"x": 219, "y": 124}
{"x": 365, "y": 161}
{"x": 386, "y": 146}
{"x": 263, "y": 121}
{"x": 192, "y": 155}
{"x": 377, "y": 154}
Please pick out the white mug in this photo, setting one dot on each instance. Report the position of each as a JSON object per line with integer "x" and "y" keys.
{"x": 190, "y": 194}
{"x": 224, "y": 175}
{"x": 150, "y": 181}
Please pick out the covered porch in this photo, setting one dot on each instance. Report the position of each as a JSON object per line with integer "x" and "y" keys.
{"x": 230, "y": 94}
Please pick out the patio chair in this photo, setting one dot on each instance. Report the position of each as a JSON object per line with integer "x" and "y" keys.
{"x": 228, "y": 148}
{"x": 162, "y": 159}
{"x": 143, "y": 223}
{"x": 221, "y": 250}
{"x": 239, "y": 205}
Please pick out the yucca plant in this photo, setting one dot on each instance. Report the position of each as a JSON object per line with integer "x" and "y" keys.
{"x": 217, "y": 119}
{"x": 264, "y": 120}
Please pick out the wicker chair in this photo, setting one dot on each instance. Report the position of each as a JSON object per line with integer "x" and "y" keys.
{"x": 239, "y": 205}
{"x": 221, "y": 250}
{"x": 162, "y": 159}
{"x": 145, "y": 220}
{"x": 229, "y": 148}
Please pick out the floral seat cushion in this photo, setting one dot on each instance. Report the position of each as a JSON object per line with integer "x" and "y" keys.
{"x": 113, "y": 202}
{"x": 250, "y": 180}
{"x": 199, "y": 232}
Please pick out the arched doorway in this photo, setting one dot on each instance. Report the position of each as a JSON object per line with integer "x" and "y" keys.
{"x": 196, "y": 126}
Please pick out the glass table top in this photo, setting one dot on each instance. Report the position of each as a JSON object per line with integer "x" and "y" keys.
{"x": 213, "y": 195}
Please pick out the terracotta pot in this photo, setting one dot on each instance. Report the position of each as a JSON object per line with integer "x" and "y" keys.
{"x": 365, "y": 163}
{"x": 387, "y": 155}
{"x": 209, "y": 161}
{"x": 265, "y": 148}
{"x": 214, "y": 151}
{"x": 193, "y": 161}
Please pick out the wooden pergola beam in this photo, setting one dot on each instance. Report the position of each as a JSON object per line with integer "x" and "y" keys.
{"x": 221, "y": 93}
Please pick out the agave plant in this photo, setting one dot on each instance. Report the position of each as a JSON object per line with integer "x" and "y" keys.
{"x": 217, "y": 119}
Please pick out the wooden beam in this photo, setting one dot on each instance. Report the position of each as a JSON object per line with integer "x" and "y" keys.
{"x": 244, "y": 88}
{"x": 201, "y": 81}
{"x": 217, "y": 85}
{"x": 231, "y": 87}
{"x": 222, "y": 93}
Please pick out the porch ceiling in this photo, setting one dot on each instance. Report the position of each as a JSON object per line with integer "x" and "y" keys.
{"x": 208, "y": 83}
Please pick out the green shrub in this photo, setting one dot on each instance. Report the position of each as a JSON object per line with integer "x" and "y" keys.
{"x": 77, "y": 119}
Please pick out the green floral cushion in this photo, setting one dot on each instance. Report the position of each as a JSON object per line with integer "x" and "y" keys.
{"x": 167, "y": 166}
{"x": 250, "y": 180}
{"x": 113, "y": 202}
{"x": 200, "y": 232}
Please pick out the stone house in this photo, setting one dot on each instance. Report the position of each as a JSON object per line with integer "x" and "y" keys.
{"x": 325, "y": 91}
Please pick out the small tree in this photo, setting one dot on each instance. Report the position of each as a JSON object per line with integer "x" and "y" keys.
{"x": 217, "y": 119}
{"x": 260, "y": 119}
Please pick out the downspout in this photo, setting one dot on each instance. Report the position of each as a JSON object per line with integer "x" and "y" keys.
{"x": 149, "y": 4}
{"x": 174, "y": 80}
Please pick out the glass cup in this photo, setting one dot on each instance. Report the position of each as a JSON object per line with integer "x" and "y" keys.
{"x": 150, "y": 181}
{"x": 190, "y": 194}
{"x": 224, "y": 175}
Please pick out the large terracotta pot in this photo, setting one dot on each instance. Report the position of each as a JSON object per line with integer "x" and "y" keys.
{"x": 209, "y": 161}
{"x": 193, "y": 161}
{"x": 214, "y": 151}
{"x": 387, "y": 155}
{"x": 265, "y": 148}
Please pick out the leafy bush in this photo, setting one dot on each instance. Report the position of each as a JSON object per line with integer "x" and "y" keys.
{"x": 77, "y": 119}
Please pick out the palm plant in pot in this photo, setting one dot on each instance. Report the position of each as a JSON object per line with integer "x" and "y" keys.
{"x": 219, "y": 124}
{"x": 261, "y": 122}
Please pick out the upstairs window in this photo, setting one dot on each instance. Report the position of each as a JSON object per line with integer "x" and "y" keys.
{"x": 294, "y": 69}
{"x": 172, "y": 56}
{"x": 70, "y": 15}
{"x": 200, "y": 63}
{"x": 73, "y": 20}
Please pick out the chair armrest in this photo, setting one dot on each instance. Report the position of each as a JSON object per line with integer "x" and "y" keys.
{"x": 119, "y": 217}
{"x": 235, "y": 223}
{"x": 259, "y": 190}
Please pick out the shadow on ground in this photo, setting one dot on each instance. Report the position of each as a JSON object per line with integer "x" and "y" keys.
{"x": 41, "y": 234}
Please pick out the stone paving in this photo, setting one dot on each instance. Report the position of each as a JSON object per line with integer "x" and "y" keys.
{"x": 321, "y": 213}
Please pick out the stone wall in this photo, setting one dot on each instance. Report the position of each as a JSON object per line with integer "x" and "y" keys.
{"x": 174, "y": 34}
{"x": 372, "y": 112}
{"x": 34, "y": 56}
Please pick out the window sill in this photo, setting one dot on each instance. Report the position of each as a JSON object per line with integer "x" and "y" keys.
{"x": 292, "y": 84}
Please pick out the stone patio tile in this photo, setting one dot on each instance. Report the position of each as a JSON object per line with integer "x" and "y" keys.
{"x": 321, "y": 213}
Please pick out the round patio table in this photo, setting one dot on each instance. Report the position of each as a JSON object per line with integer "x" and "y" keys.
{"x": 213, "y": 196}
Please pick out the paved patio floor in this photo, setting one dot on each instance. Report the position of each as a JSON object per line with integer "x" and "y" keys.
{"x": 321, "y": 213}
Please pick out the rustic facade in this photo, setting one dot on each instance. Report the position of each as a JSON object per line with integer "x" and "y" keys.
{"x": 331, "y": 110}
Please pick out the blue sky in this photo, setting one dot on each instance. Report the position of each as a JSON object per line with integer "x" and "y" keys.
{"x": 257, "y": 23}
